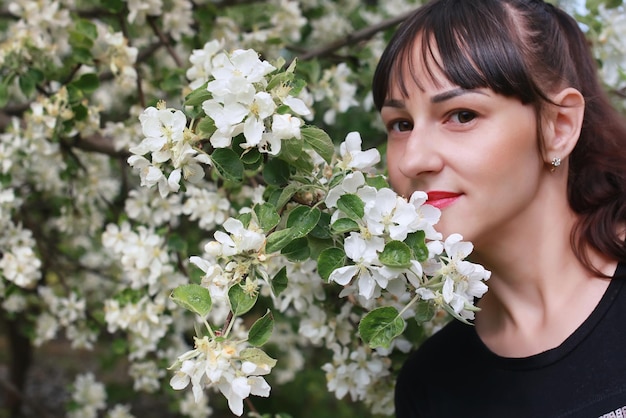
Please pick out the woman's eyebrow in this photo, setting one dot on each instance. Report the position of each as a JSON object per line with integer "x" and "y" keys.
{"x": 399, "y": 104}
{"x": 437, "y": 98}
{"x": 447, "y": 95}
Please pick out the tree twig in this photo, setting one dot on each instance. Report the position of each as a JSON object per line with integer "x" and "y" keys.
{"x": 100, "y": 144}
{"x": 354, "y": 37}
{"x": 164, "y": 41}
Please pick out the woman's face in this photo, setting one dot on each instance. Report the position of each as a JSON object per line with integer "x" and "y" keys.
{"x": 473, "y": 151}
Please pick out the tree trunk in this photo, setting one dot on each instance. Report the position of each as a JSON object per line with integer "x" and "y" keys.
{"x": 20, "y": 359}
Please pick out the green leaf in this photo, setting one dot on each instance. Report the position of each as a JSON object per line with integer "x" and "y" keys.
{"x": 257, "y": 356}
{"x": 297, "y": 250}
{"x": 75, "y": 95}
{"x": 193, "y": 297}
{"x": 396, "y": 254}
{"x": 303, "y": 219}
{"x": 317, "y": 245}
{"x": 352, "y": 206}
{"x": 240, "y": 301}
{"x": 28, "y": 81}
{"x": 80, "y": 112}
{"x": 297, "y": 85}
{"x": 329, "y": 260}
{"x": 87, "y": 82}
{"x": 82, "y": 55}
{"x": 300, "y": 222}
{"x": 286, "y": 194}
{"x": 417, "y": 243}
{"x": 81, "y": 40}
{"x": 114, "y": 6}
{"x": 261, "y": 330}
{"x": 4, "y": 94}
{"x": 245, "y": 218}
{"x": 379, "y": 327}
{"x": 206, "y": 127}
{"x": 228, "y": 164}
{"x": 291, "y": 149}
{"x": 319, "y": 140}
{"x": 251, "y": 157}
{"x": 198, "y": 96}
{"x": 425, "y": 311}
{"x": 343, "y": 225}
{"x": 322, "y": 229}
{"x": 277, "y": 240}
{"x": 278, "y": 79}
{"x": 86, "y": 28}
{"x": 279, "y": 281}
{"x": 267, "y": 216}
{"x": 304, "y": 164}
{"x": 276, "y": 172}
{"x": 378, "y": 182}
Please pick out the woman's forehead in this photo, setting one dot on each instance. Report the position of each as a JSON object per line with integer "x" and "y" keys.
{"x": 419, "y": 66}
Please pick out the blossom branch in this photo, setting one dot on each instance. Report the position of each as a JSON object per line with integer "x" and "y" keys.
{"x": 164, "y": 41}
{"x": 353, "y": 38}
{"x": 100, "y": 144}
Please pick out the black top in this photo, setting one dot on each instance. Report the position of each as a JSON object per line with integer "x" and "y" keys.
{"x": 453, "y": 374}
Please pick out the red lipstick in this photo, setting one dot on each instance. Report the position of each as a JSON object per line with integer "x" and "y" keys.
{"x": 440, "y": 199}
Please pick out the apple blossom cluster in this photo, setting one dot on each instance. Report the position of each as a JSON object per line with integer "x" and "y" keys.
{"x": 242, "y": 101}
{"x": 40, "y": 33}
{"x": 147, "y": 267}
{"x": 167, "y": 139}
{"x": 462, "y": 281}
{"x": 241, "y": 98}
{"x": 112, "y": 51}
{"x": 354, "y": 372}
{"x": 89, "y": 400}
{"x": 336, "y": 87}
{"x": 239, "y": 249}
{"x": 235, "y": 369}
{"x": 177, "y": 15}
{"x": 89, "y": 396}
{"x": 18, "y": 262}
{"x": 64, "y": 312}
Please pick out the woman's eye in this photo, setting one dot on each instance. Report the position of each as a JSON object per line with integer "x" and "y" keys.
{"x": 401, "y": 126}
{"x": 463, "y": 116}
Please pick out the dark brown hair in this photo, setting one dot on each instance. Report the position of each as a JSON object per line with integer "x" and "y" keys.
{"x": 522, "y": 49}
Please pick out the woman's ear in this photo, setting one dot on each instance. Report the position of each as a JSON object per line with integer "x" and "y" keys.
{"x": 562, "y": 123}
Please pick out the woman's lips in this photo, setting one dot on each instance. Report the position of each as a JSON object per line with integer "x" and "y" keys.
{"x": 440, "y": 199}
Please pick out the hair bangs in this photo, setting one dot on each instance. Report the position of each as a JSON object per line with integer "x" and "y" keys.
{"x": 470, "y": 44}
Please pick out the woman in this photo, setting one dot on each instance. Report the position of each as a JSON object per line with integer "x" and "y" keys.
{"x": 494, "y": 108}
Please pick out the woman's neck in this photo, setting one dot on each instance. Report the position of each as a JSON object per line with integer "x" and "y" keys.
{"x": 539, "y": 292}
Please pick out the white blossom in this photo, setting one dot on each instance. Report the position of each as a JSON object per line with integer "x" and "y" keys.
{"x": 352, "y": 157}
{"x": 88, "y": 393}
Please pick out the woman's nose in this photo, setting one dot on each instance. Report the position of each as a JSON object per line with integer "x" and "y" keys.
{"x": 420, "y": 155}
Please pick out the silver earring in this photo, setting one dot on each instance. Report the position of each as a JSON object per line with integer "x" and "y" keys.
{"x": 556, "y": 161}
